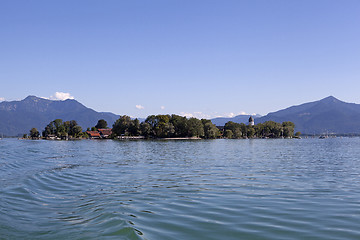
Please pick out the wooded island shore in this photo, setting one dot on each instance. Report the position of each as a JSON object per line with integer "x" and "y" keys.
{"x": 163, "y": 127}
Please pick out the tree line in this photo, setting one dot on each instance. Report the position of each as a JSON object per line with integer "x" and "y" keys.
{"x": 269, "y": 129}
{"x": 60, "y": 129}
{"x": 169, "y": 126}
{"x": 165, "y": 126}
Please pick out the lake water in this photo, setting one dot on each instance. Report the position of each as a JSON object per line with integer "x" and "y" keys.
{"x": 199, "y": 189}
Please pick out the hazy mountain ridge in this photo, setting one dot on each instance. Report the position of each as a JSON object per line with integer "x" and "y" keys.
{"x": 18, "y": 117}
{"x": 327, "y": 115}
{"x": 220, "y": 121}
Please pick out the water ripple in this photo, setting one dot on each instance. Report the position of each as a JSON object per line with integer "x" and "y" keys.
{"x": 222, "y": 189}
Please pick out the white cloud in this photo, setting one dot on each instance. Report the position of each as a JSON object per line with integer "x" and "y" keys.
{"x": 61, "y": 96}
{"x": 2, "y": 99}
{"x": 162, "y": 107}
{"x": 139, "y": 107}
{"x": 230, "y": 115}
{"x": 245, "y": 113}
{"x": 198, "y": 115}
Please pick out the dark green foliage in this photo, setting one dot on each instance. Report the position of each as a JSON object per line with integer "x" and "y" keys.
{"x": 76, "y": 130}
{"x": 228, "y": 133}
{"x": 160, "y": 126}
{"x": 145, "y": 129}
{"x": 237, "y": 129}
{"x": 101, "y": 124}
{"x": 210, "y": 130}
{"x": 125, "y": 126}
{"x": 180, "y": 125}
{"x": 134, "y": 128}
{"x": 34, "y": 133}
{"x": 165, "y": 126}
{"x": 269, "y": 129}
{"x": 62, "y": 129}
{"x": 195, "y": 128}
{"x": 170, "y": 126}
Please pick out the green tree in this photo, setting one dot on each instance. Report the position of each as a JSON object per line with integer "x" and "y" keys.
{"x": 228, "y": 133}
{"x": 49, "y": 129}
{"x": 62, "y": 129}
{"x": 122, "y": 125}
{"x": 58, "y": 123}
{"x": 145, "y": 129}
{"x": 288, "y": 129}
{"x": 67, "y": 128}
{"x": 76, "y": 131}
{"x": 237, "y": 133}
{"x": 152, "y": 120}
{"x": 34, "y": 133}
{"x": 195, "y": 128}
{"x": 160, "y": 126}
{"x": 101, "y": 124}
{"x": 163, "y": 127}
{"x": 236, "y": 129}
{"x": 210, "y": 130}
{"x": 134, "y": 128}
{"x": 250, "y": 132}
{"x": 180, "y": 125}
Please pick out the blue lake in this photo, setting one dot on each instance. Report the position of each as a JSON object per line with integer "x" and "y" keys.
{"x": 194, "y": 189}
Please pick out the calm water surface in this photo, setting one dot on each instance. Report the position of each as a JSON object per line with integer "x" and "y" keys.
{"x": 216, "y": 189}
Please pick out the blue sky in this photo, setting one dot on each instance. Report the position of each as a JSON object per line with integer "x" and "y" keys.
{"x": 202, "y": 58}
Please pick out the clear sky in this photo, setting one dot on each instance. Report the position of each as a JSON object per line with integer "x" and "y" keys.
{"x": 205, "y": 58}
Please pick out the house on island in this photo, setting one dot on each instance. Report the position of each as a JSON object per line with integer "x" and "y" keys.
{"x": 105, "y": 132}
{"x": 93, "y": 134}
{"x": 100, "y": 133}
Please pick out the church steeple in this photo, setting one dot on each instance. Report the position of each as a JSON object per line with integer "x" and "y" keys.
{"x": 251, "y": 121}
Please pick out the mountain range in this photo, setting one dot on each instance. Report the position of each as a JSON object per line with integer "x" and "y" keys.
{"x": 18, "y": 117}
{"x": 328, "y": 115}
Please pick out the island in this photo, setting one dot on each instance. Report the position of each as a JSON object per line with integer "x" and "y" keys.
{"x": 164, "y": 127}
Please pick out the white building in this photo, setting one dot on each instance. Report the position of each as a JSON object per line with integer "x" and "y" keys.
{"x": 251, "y": 121}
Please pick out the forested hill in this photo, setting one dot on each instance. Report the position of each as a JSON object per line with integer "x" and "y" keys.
{"x": 328, "y": 115}
{"x": 17, "y": 117}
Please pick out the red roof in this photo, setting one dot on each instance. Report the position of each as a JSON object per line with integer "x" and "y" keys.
{"x": 105, "y": 131}
{"x": 93, "y": 133}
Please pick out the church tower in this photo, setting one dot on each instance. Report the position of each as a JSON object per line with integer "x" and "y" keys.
{"x": 251, "y": 121}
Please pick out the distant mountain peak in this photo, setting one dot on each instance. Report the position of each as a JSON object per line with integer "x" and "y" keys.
{"x": 330, "y": 99}
{"x": 17, "y": 117}
{"x": 326, "y": 115}
{"x": 31, "y": 97}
